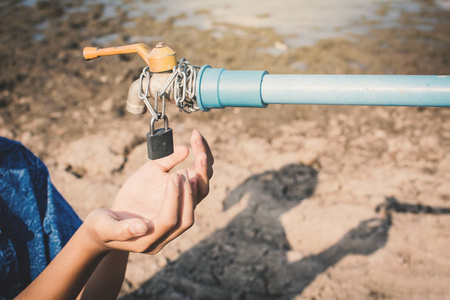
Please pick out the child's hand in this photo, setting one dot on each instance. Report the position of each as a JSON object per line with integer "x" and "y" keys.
{"x": 146, "y": 231}
{"x": 154, "y": 207}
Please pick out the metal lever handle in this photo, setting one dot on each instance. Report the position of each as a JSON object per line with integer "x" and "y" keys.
{"x": 159, "y": 59}
{"x": 93, "y": 52}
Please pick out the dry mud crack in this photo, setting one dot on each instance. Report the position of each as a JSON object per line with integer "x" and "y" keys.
{"x": 292, "y": 209}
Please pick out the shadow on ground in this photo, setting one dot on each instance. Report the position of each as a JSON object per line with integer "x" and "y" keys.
{"x": 248, "y": 258}
{"x": 391, "y": 204}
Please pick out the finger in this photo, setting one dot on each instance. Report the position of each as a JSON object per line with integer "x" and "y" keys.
{"x": 168, "y": 215}
{"x": 194, "y": 188}
{"x": 201, "y": 168}
{"x": 167, "y": 163}
{"x": 128, "y": 229}
{"x": 199, "y": 144}
{"x": 188, "y": 203}
{"x": 202, "y": 164}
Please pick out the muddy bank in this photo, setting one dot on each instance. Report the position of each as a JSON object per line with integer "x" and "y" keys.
{"x": 324, "y": 241}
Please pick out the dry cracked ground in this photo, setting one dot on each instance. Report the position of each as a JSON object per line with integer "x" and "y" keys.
{"x": 307, "y": 202}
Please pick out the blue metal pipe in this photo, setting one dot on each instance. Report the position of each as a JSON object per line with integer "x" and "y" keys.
{"x": 219, "y": 88}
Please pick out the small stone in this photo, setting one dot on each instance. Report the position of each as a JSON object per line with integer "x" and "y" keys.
{"x": 107, "y": 105}
{"x": 308, "y": 157}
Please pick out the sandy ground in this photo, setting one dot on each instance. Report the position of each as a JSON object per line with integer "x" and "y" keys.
{"x": 307, "y": 202}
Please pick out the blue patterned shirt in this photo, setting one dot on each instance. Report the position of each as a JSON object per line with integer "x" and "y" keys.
{"x": 35, "y": 220}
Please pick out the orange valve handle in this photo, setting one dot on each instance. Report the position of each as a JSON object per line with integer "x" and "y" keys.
{"x": 159, "y": 59}
{"x": 92, "y": 52}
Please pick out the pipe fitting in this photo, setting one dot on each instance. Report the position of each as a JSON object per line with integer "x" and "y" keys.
{"x": 135, "y": 105}
{"x": 220, "y": 88}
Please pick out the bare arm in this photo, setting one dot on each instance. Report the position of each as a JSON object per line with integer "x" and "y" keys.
{"x": 103, "y": 232}
{"x": 69, "y": 271}
{"x": 96, "y": 256}
{"x": 106, "y": 281}
{"x": 110, "y": 273}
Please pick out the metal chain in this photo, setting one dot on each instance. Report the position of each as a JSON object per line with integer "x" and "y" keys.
{"x": 182, "y": 81}
{"x": 184, "y": 86}
{"x": 144, "y": 94}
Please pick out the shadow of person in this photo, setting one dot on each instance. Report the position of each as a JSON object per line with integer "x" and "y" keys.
{"x": 248, "y": 258}
{"x": 366, "y": 238}
{"x": 391, "y": 204}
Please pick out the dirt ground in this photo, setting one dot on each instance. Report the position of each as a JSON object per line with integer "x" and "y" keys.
{"x": 307, "y": 202}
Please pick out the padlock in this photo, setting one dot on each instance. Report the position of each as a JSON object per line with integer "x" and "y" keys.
{"x": 160, "y": 141}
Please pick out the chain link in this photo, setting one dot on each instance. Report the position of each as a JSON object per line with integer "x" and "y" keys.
{"x": 182, "y": 81}
{"x": 184, "y": 86}
{"x": 144, "y": 94}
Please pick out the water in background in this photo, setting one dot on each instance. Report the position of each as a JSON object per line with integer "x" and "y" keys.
{"x": 302, "y": 22}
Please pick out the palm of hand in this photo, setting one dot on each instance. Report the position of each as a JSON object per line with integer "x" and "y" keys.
{"x": 162, "y": 204}
{"x": 143, "y": 193}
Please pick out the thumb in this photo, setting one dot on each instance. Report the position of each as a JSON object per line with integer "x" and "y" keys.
{"x": 129, "y": 228}
{"x": 167, "y": 163}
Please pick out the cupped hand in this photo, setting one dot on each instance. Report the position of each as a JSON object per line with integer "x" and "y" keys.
{"x": 153, "y": 207}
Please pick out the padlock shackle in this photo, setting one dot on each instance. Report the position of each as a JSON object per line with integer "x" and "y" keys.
{"x": 220, "y": 88}
{"x": 153, "y": 121}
